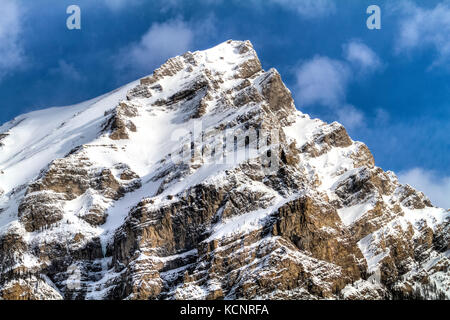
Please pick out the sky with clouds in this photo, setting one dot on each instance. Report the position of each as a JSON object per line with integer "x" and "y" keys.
{"x": 389, "y": 87}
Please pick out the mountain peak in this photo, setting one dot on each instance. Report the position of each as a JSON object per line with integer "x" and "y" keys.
{"x": 202, "y": 180}
{"x": 228, "y": 59}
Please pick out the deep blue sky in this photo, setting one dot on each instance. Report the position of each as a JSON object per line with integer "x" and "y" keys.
{"x": 401, "y": 105}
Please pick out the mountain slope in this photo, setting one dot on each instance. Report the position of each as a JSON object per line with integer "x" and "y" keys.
{"x": 203, "y": 181}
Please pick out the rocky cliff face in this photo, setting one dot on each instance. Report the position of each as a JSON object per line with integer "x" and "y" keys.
{"x": 203, "y": 181}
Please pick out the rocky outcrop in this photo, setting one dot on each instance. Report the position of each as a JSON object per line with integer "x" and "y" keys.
{"x": 66, "y": 180}
{"x": 119, "y": 123}
{"x": 315, "y": 227}
{"x": 322, "y": 142}
{"x": 41, "y": 210}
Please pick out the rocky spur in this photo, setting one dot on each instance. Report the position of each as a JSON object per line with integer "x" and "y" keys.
{"x": 197, "y": 310}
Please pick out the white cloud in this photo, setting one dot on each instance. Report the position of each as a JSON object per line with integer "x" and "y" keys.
{"x": 349, "y": 116}
{"x": 11, "y": 51}
{"x": 308, "y": 8}
{"x": 434, "y": 186}
{"x": 304, "y": 8}
{"x": 322, "y": 81}
{"x": 67, "y": 71}
{"x": 382, "y": 117}
{"x": 362, "y": 57}
{"x": 116, "y": 5}
{"x": 425, "y": 28}
{"x": 167, "y": 4}
{"x": 160, "y": 42}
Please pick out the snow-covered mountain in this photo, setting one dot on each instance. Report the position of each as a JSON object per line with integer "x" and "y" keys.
{"x": 203, "y": 181}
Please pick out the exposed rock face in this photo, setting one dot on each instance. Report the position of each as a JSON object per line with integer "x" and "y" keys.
{"x": 205, "y": 182}
{"x": 68, "y": 179}
{"x": 120, "y": 123}
{"x": 2, "y": 137}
